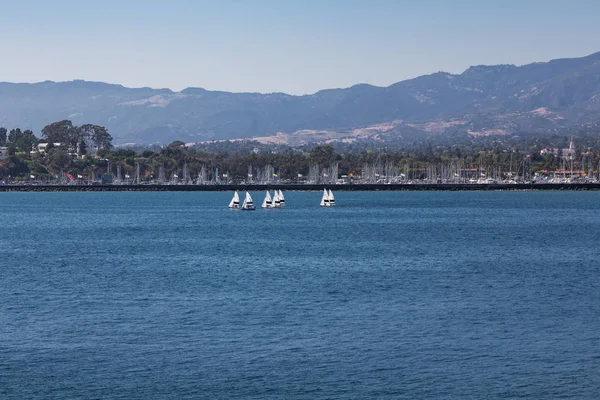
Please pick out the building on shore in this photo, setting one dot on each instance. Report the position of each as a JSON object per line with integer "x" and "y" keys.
{"x": 565, "y": 153}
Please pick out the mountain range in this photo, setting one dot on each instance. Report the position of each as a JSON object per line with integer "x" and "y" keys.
{"x": 483, "y": 100}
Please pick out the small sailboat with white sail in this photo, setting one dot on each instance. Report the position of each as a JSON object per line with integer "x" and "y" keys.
{"x": 281, "y": 198}
{"x": 267, "y": 202}
{"x": 276, "y": 199}
{"x": 325, "y": 199}
{"x": 328, "y": 200}
{"x": 235, "y": 201}
{"x": 248, "y": 204}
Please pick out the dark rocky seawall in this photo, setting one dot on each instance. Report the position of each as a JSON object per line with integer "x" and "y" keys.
{"x": 257, "y": 188}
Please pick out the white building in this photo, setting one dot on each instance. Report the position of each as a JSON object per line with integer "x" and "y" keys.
{"x": 41, "y": 147}
{"x": 3, "y": 153}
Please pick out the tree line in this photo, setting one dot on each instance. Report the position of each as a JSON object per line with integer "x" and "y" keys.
{"x": 68, "y": 149}
{"x": 65, "y": 147}
{"x": 63, "y": 133}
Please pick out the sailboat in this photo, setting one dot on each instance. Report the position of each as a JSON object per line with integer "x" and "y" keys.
{"x": 331, "y": 199}
{"x": 281, "y": 198}
{"x": 276, "y": 199}
{"x": 235, "y": 202}
{"x": 248, "y": 205}
{"x": 325, "y": 199}
{"x": 267, "y": 202}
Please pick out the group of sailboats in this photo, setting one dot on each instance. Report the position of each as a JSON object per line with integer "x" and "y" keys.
{"x": 247, "y": 205}
{"x": 327, "y": 200}
{"x": 277, "y": 201}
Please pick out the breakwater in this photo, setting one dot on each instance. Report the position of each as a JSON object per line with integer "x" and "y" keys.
{"x": 293, "y": 187}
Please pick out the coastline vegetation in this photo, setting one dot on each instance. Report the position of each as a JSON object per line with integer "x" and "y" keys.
{"x": 65, "y": 153}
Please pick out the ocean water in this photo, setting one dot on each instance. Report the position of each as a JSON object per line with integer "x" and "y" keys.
{"x": 388, "y": 295}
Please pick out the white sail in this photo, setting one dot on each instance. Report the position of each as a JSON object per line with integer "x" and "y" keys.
{"x": 325, "y": 198}
{"x": 267, "y": 202}
{"x": 248, "y": 204}
{"x": 331, "y": 198}
{"x": 235, "y": 201}
{"x": 276, "y": 199}
{"x": 281, "y": 198}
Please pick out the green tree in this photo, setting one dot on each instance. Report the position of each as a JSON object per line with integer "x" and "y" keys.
{"x": 322, "y": 155}
{"x": 3, "y": 136}
{"x": 98, "y": 135}
{"x": 27, "y": 141}
{"x": 14, "y": 136}
{"x": 22, "y": 141}
{"x": 61, "y": 132}
{"x": 58, "y": 159}
{"x": 16, "y": 165}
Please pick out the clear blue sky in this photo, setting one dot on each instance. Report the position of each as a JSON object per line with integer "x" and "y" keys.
{"x": 293, "y": 46}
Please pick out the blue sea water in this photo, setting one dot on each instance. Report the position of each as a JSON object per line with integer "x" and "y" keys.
{"x": 388, "y": 295}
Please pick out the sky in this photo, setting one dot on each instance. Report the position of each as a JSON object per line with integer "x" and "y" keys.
{"x": 291, "y": 46}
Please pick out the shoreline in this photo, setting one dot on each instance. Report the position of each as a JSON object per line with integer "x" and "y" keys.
{"x": 293, "y": 187}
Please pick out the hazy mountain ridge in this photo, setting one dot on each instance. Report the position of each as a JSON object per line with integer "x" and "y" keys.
{"x": 492, "y": 99}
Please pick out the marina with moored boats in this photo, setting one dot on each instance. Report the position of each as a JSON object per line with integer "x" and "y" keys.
{"x": 303, "y": 187}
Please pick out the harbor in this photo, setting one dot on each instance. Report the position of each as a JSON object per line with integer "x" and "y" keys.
{"x": 300, "y": 187}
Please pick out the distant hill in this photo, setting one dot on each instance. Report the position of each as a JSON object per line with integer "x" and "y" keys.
{"x": 501, "y": 99}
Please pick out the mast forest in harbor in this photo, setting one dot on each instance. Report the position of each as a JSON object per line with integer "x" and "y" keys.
{"x": 69, "y": 154}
